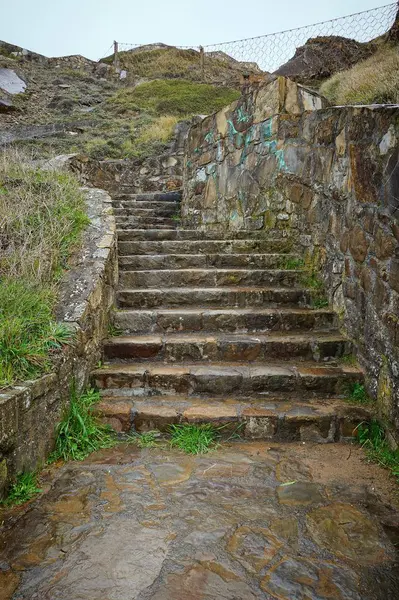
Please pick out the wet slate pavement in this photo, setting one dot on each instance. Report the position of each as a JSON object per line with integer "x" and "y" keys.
{"x": 247, "y": 521}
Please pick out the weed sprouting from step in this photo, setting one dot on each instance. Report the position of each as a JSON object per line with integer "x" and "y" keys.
{"x": 319, "y": 302}
{"x": 292, "y": 263}
{"x": 79, "y": 433}
{"x": 149, "y": 439}
{"x": 348, "y": 359}
{"x": 358, "y": 395}
{"x": 24, "y": 488}
{"x": 114, "y": 331}
{"x": 194, "y": 439}
{"x": 372, "y": 437}
{"x": 312, "y": 281}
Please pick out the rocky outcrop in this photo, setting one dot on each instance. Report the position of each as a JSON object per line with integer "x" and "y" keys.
{"x": 321, "y": 57}
{"x": 30, "y": 411}
{"x": 328, "y": 178}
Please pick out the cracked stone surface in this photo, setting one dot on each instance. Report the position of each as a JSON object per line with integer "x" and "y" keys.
{"x": 248, "y": 521}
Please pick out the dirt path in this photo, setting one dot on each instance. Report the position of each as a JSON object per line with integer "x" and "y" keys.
{"x": 248, "y": 521}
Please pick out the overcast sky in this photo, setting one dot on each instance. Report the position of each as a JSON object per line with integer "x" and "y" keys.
{"x": 88, "y": 27}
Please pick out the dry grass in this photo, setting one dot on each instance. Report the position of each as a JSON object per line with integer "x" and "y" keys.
{"x": 42, "y": 215}
{"x": 161, "y": 130}
{"x": 374, "y": 80}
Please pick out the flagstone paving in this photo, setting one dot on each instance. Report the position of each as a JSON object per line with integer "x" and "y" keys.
{"x": 248, "y": 521}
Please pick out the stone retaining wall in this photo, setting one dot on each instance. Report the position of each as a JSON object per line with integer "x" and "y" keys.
{"x": 30, "y": 412}
{"x": 158, "y": 173}
{"x": 328, "y": 178}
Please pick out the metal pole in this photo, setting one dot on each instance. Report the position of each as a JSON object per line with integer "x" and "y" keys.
{"x": 202, "y": 63}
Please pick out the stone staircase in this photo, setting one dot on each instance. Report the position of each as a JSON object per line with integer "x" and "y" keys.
{"x": 217, "y": 329}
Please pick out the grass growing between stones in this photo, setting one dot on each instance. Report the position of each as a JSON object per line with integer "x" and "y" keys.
{"x": 149, "y": 439}
{"x": 42, "y": 215}
{"x": 194, "y": 439}
{"x": 79, "y": 433}
{"x": 358, "y": 395}
{"x": 24, "y": 488}
{"x": 372, "y": 438}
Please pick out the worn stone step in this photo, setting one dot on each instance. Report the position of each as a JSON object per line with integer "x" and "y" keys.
{"x": 208, "y": 247}
{"x": 148, "y": 196}
{"x": 204, "y": 261}
{"x": 210, "y": 347}
{"x": 146, "y": 204}
{"x": 226, "y": 378}
{"x": 280, "y": 420}
{"x": 153, "y": 227}
{"x": 210, "y": 278}
{"x": 228, "y": 320}
{"x": 133, "y": 211}
{"x": 228, "y": 297}
{"x": 140, "y": 221}
{"x": 196, "y": 235}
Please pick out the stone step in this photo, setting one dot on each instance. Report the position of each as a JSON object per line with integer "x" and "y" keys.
{"x": 201, "y": 236}
{"x": 139, "y": 222}
{"x": 208, "y": 247}
{"x": 214, "y": 347}
{"x": 146, "y": 205}
{"x": 204, "y": 261}
{"x": 228, "y": 320}
{"x": 276, "y": 420}
{"x": 210, "y": 278}
{"x": 228, "y": 297}
{"x": 148, "y": 196}
{"x": 303, "y": 378}
{"x": 132, "y": 211}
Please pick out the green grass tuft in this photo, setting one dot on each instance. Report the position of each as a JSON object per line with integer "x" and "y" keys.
{"x": 319, "y": 302}
{"x": 28, "y": 333}
{"x": 358, "y": 395}
{"x": 24, "y": 488}
{"x": 292, "y": 263}
{"x": 79, "y": 432}
{"x": 373, "y": 439}
{"x": 149, "y": 439}
{"x": 194, "y": 439}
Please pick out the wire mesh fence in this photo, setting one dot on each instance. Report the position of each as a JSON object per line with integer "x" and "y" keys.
{"x": 330, "y": 46}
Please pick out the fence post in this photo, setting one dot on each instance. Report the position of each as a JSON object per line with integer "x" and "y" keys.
{"x": 116, "y": 66}
{"x": 202, "y": 63}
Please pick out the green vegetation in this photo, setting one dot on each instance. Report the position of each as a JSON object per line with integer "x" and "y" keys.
{"x": 24, "y": 488}
{"x": 358, "y": 395}
{"x": 319, "y": 302}
{"x": 373, "y": 438}
{"x": 348, "y": 359}
{"x": 173, "y": 97}
{"x": 374, "y": 80}
{"x": 311, "y": 280}
{"x": 79, "y": 432}
{"x": 194, "y": 439}
{"x": 43, "y": 215}
{"x": 148, "y": 439}
{"x": 292, "y": 263}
